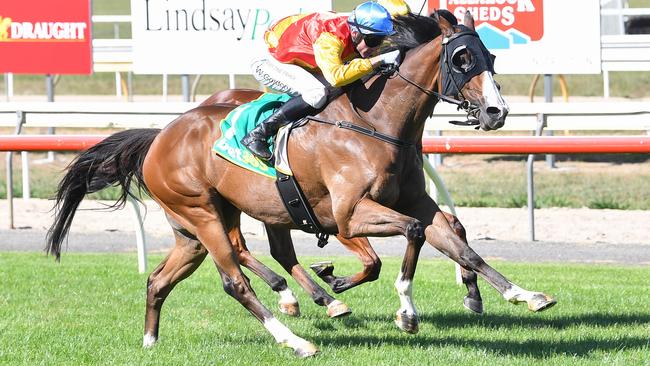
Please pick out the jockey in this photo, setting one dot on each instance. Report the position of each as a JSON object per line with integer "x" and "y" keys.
{"x": 339, "y": 47}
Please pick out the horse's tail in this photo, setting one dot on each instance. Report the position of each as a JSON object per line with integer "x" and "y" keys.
{"x": 117, "y": 160}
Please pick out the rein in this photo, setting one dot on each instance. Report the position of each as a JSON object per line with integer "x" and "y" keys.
{"x": 464, "y": 104}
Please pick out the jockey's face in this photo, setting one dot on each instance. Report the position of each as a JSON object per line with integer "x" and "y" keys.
{"x": 364, "y": 49}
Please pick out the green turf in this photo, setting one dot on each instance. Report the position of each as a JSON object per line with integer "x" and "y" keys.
{"x": 90, "y": 308}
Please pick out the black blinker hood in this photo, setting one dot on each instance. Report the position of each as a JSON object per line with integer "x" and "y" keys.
{"x": 453, "y": 78}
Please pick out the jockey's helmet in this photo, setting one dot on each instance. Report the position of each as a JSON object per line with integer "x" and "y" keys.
{"x": 370, "y": 18}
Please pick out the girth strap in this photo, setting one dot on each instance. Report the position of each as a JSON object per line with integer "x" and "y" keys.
{"x": 298, "y": 207}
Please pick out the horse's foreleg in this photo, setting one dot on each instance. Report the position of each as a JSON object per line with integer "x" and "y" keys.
{"x": 372, "y": 219}
{"x": 362, "y": 249}
{"x": 288, "y": 303}
{"x": 472, "y": 300}
{"x": 283, "y": 252}
{"x": 442, "y": 237}
{"x": 183, "y": 260}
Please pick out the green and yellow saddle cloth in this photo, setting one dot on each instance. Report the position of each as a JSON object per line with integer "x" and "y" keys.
{"x": 238, "y": 123}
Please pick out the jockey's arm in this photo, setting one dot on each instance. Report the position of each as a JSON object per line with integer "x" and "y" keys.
{"x": 328, "y": 50}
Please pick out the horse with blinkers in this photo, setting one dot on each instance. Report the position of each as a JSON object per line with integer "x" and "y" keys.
{"x": 358, "y": 186}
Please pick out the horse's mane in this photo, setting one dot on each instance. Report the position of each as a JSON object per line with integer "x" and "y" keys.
{"x": 413, "y": 30}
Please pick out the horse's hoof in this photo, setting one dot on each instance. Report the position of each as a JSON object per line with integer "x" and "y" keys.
{"x": 475, "y": 306}
{"x": 291, "y": 309}
{"x": 148, "y": 341}
{"x": 306, "y": 350}
{"x": 321, "y": 269}
{"x": 407, "y": 322}
{"x": 541, "y": 302}
{"x": 337, "y": 309}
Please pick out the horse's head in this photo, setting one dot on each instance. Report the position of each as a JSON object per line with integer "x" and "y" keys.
{"x": 466, "y": 72}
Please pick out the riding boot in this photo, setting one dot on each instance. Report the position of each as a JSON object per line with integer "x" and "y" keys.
{"x": 257, "y": 140}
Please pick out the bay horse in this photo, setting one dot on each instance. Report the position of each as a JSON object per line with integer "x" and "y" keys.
{"x": 359, "y": 185}
{"x": 360, "y": 246}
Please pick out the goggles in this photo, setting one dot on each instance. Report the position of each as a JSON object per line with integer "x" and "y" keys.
{"x": 373, "y": 40}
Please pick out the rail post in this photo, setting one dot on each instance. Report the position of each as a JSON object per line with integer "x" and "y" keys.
{"x": 20, "y": 121}
{"x": 530, "y": 180}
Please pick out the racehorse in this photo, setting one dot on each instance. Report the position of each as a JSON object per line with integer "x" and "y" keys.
{"x": 359, "y": 184}
{"x": 359, "y": 246}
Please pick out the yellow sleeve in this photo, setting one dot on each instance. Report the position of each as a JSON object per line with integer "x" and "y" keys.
{"x": 395, "y": 7}
{"x": 327, "y": 51}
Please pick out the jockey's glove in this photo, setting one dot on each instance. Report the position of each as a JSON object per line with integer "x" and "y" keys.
{"x": 389, "y": 58}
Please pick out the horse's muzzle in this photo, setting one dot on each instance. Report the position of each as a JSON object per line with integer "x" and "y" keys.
{"x": 492, "y": 118}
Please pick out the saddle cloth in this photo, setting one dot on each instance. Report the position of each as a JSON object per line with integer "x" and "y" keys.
{"x": 243, "y": 119}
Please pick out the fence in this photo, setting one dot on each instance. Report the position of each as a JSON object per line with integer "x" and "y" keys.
{"x": 456, "y": 145}
{"x": 528, "y": 117}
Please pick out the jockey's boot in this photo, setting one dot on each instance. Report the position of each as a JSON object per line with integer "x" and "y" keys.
{"x": 257, "y": 140}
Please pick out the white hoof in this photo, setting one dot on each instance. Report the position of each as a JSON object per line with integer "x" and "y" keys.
{"x": 306, "y": 350}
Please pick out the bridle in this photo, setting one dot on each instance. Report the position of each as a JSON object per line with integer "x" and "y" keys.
{"x": 391, "y": 71}
{"x": 462, "y": 103}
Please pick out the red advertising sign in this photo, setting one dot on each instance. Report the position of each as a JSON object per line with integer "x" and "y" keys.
{"x": 521, "y": 20}
{"x": 45, "y": 37}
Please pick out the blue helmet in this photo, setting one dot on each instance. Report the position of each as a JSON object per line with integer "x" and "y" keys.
{"x": 371, "y": 18}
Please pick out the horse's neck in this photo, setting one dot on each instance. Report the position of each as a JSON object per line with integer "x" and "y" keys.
{"x": 405, "y": 107}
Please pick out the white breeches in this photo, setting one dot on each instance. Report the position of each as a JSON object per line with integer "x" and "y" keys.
{"x": 291, "y": 79}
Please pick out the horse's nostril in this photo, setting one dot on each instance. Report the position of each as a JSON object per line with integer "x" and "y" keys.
{"x": 493, "y": 110}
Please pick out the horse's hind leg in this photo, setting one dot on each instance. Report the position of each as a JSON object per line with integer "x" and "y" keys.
{"x": 181, "y": 262}
{"x": 283, "y": 252}
{"x": 440, "y": 235}
{"x": 472, "y": 300}
{"x": 288, "y": 303}
{"x": 362, "y": 249}
{"x": 211, "y": 232}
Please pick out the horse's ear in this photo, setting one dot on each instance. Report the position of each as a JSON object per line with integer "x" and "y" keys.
{"x": 446, "y": 28}
{"x": 468, "y": 20}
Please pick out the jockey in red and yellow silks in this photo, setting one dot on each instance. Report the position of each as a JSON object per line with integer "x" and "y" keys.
{"x": 318, "y": 41}
{"x": 339, "y": 47}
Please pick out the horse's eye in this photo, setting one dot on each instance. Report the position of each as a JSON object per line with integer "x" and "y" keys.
{"x": 462, "y": 59}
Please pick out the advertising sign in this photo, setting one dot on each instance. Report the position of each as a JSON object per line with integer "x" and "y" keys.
{"x": 534, "y": 36}
{"x": 45, "y": 37}
{"x": 206, "y": 36}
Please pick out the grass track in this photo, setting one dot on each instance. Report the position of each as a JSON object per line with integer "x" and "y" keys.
{"x": 89, "y": 310}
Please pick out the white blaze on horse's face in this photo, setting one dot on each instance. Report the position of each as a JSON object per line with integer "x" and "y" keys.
{"x": 494, "y": 109}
